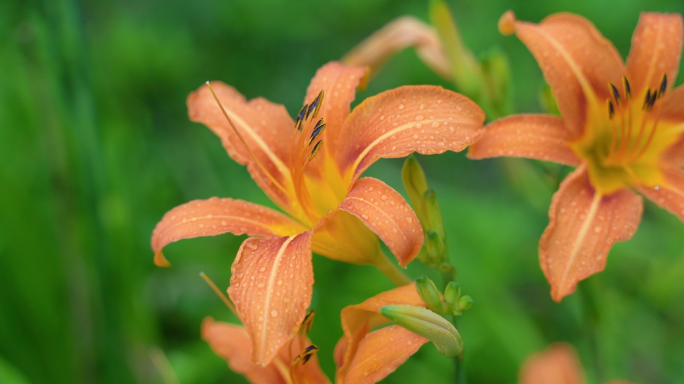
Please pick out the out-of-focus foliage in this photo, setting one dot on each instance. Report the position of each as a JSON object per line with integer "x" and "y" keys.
{"x": 95, "y": 146}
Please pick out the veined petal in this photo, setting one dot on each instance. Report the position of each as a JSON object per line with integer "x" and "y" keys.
{"x": 424, "y": 119}
{"x": 381, "y": 352}
{"x": 583, "y": 225}
{"x": 540, "y": 137}
{"x": 577, "y": 61}
{"x": 359, "y": 319}
{"x": 671, "y": 109}
{"x": 271, "y": 286}
{"x": 656, "y": 50}
{"x": 232, "y": 343}
{"x": 339, "y": 83}
{"x": 217, "y": 216}
{"x": 558, "y": 364}
{"x": 669, "y": 196}
{"x": 267, "y": 129}
{"x": 386, "y": 213}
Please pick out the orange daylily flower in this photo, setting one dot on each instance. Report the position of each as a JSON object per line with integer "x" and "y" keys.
{"x": 558, "y": 364}
{"x": 310, "y": 168}
{"x": 621, "y": 126}
{"x": 363, "y": 355}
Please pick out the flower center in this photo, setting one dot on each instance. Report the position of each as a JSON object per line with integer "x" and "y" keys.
{"x": 620, "y": 142}
{"x": 632, "y": 125}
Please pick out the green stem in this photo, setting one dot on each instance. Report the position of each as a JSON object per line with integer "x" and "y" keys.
{"x": 591, "y": 324}
{"x": 460, "y": 369}
{"x": 391, "y": 270}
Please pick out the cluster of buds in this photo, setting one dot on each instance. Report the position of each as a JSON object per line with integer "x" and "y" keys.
{"x": 449, "y": 303}
{"x": 433, "y": 322}
{"x": 435, "y": 253}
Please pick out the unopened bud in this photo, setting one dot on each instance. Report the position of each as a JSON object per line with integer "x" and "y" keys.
{"x": 452, "y": 294}
{"x": 497, "y": 74}
{"x": 428, "y": 324}
{"x": 434, "y": 246}
{"x": 434, "y": 215}
{"x": 465, "y": 302}
{"x": 429, "y": 293}
{"x": 413, "y": 177}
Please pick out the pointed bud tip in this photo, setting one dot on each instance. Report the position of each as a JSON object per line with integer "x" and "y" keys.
{"x": 507, "y": 23}
{"x": 428, "y": 292}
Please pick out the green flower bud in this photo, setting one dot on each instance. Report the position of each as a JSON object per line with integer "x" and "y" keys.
{"x": 435, "y": 247}
{"x": 452, "y": 294}
{"x": 465, "y": 303}
{"x": 414, "y": 181}
{"x": 428, "y": 324}
{"x": 429, "y": 293}
{"x": 434, "y": 215}
{"x": 496, "y": 72}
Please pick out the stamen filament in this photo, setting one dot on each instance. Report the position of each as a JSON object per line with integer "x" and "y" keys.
{"x": 648, "y": 141}
{"x": 251, "y": 154}
{"x": 220, "y": 294}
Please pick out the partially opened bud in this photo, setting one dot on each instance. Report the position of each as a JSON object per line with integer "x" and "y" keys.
{"x": 429, "y": 293}
{"x": 428, "y": 324}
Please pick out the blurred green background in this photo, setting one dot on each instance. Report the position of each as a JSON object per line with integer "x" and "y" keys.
{"x": 95, "y": 146}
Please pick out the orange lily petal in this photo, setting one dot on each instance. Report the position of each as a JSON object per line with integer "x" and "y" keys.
{"x": 267, "y": 128}
{"x": 381, "y": 352}
{"x": 671, "y": 195}
{"x": 271, "y": 286}
{"x": 358, "y": 319}
{"x": 558, "y": 364}
{"x": 386, "y": 213}
{"x": 671, "y": 108}
{"x": 232, "y": 343}
{"x": 395, "y": 123}
{"x": 656, "y": 49}
{"x": 674, "y": 155}
{"x": 217, "y": 216}
{"x": 583, "y": 225}
{"x": 540, "y": 137}
{"x": 577, "y": 61}
{"x": 339, "y": 82}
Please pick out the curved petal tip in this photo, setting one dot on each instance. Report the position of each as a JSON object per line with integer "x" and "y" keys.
{"x": 507, "y": 23}
{"x": 160, "y": 260}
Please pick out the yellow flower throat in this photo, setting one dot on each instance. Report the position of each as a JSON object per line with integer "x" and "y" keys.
{"x": 623, "y": 141}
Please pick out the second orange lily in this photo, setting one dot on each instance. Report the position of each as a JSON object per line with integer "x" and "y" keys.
{"x": 310, "y": 168}
{"x": 621, "y": 126}
{"x": 362, "y": 356}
